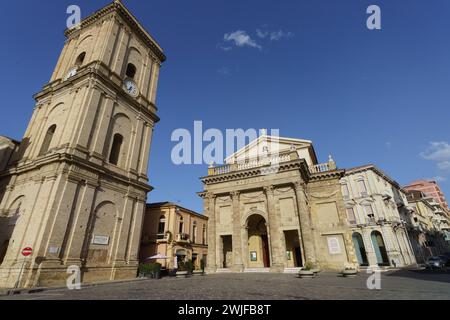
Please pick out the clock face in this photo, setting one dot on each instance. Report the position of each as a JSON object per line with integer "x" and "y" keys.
{"x": 71, "y": 73}
{"x": 131, "y": 87}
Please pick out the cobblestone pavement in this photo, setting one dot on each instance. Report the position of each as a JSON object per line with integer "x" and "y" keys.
{"x": 402, "y": 284}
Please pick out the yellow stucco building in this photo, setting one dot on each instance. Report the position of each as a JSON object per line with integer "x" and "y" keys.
{"x": 177, "y": 233}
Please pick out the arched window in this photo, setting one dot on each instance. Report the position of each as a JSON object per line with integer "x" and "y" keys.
{"x": 131, "y": 71}
{"x": 194, "y": 232}
{"x": 80, "y": 59}
{"x": 115, "y": 149}
{"x": 181, "y": 225}
{"x": 162, "y": 227}
{"x": 47, "y": 140}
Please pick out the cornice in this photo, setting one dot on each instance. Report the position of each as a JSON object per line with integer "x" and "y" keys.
{"x": 327, "y": 175}
{"x": 254, "y": 172}
{"x": 92, "y": 73}
{"x": 118, "y": 8}
{"x": 58, "y": 158}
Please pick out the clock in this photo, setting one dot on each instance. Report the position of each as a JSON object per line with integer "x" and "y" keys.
{"x": 72, "y": 72}
{"x": 131, "y": 87}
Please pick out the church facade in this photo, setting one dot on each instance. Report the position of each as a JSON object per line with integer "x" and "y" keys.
{"x": 75, "y": 188}
{"x": 274, "y": 208}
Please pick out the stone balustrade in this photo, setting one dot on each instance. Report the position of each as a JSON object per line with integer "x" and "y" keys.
{"x": 267, "y": 161}
{"x": 252, "y": 163}
{"x": 319, "y": 168}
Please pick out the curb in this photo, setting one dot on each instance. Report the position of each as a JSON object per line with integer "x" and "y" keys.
{"x": 14, "y": 292}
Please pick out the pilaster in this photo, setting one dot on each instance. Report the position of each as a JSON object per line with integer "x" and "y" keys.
{"x": 277, "y": 264}
{"x": 305, "y": 223}
{"x": 209, "y": 204}
{"x": 238, "y": 265}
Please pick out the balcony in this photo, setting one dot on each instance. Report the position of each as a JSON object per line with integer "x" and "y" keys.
{"x": 162, "y": 237}
{"x": 323, "y": 167}
{"x": 182, "y": 238}
{"x": 252, "y": 163}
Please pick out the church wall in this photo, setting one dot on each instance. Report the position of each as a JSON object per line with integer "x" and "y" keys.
{"x": 332, "y": 236}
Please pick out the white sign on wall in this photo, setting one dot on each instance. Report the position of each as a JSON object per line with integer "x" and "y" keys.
{"x": 53, "y": 250}
{"x": 100, "y": 240}
{"x": 333, "y": 245}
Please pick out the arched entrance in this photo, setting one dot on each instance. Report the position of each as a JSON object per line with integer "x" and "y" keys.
{"x": 100, "y": 236}
{"x": 380, "y": 249}
{"x": 258, "y": 242}
{"x": 360, "y": 249}
{"x": 8, "y": 224}
{"x": 181, "y": 255}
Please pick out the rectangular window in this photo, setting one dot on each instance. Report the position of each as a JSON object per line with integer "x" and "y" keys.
{"x": 194, "y": 235}
{"x": 362, "y": 188}
{"x": 181, "y": 227}
{"x": 345, "y": 191}
{"x": 204, "y": 235}
{"x": 351, "y": 216}
{"x": 369, "y": 212}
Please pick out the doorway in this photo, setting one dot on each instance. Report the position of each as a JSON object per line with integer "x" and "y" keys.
{"x": 3, "y": 250}
{"x": 266, "y": 252}
{"x": 360, "y": 249}
{"x": 380, "y": 249}
{"x": 258, "y": 242}
{"x": 293, "y": 249}
{"x": 227, "y": 252}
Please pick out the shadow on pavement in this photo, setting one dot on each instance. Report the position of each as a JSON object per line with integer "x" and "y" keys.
{"x": 425, "y": 275}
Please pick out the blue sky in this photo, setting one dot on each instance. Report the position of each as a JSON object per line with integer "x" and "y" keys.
{"x": 313, "y": 70}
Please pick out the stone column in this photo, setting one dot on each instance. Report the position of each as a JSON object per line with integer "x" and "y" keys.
{"x": 305, "y": 223}
{"x": 209, "y": 205}
{"x": 275, "y": 235}
{"x": 237, "y": 240}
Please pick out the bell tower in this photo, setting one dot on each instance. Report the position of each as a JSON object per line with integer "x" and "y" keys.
{"x": 76, "y": 188}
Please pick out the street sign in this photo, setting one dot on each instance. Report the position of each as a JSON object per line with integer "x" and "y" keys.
{"x": 27, "y": 251}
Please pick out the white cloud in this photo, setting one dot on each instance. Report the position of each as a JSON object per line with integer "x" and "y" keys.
{"x": 274, "y": 35}
{"x": 437, "y": 151}
{"x": 439, "y": 179}
{"x": 225, "y": 48}
{"x": 241, "y": 39}
{"x": 440, "y": 153}
{"x": 262, "y": 34}
{"x": 444, "y": 166}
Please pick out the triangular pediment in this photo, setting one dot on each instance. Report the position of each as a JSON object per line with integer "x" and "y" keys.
{"x": 270, "y": 145}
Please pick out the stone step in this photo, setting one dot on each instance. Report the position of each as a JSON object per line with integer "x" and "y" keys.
{"x": 223, "y": 270}
{"x": 257, "y": 270}
{"x": 292, "y": 270}
{"x": 379, "y": 269}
